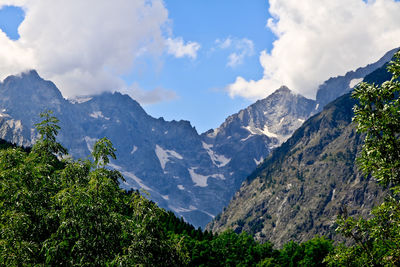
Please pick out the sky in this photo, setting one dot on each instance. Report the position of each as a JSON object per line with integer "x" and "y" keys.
{"x": 197, "y": 60}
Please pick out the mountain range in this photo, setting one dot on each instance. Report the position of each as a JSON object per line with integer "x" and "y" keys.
{"x": 300, "y": 189}
{"x": 195, "y": 175}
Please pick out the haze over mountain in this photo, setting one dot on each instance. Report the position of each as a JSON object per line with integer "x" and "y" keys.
{"x": 193, "y": 175}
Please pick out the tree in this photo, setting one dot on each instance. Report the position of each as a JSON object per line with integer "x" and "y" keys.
{"x": 56, "y": 211}
{"x": 377, "y": 114}
{"x": 48, "y": 129}
{"x": 103, "y": 149}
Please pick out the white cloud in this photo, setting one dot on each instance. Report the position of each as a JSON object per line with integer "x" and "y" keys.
{"x": 224, "y": 44}
{"x": 321, "y": 39}
{"x": 179, "y": 49}
{"x": 242, "y": 48}
{"x": 148, "y": 97}
{"x": 86, "y": 46}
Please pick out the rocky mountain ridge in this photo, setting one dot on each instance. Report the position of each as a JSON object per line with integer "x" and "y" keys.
{"x": 193, "y": 175}
{"x": 299, "y": 190}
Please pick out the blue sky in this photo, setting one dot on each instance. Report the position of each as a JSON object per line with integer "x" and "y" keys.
{"x": 200, "y": 82}
{"x": 10, "y": 18}
{"x": 197, "y": 60}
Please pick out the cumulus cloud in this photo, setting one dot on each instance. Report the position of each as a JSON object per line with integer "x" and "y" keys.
{"x": 13, "y": 57}
{"x": 321, "y": 39}
{"x": 179, "y": 49}
{"x": 86, "y": 46}
{"x": 242, "y": 48}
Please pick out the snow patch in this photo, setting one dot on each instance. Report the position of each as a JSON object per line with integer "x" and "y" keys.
{"x": 80, "y": 99}
{"x": 333, "y": 194}
{"x": 134, "y": 149}
{"x": 3, "y": 114}
{"x": 246, "y": 138}
{"x": 268, "y": 133}
{"x": 131, "y": 176}
{"x": 201, "y": 180}
{"x": 354, "y": 82}
{"x": 90, "y": 142}
{"x": 257, "y": 131}
{"x": 209, "y": 214}
{"x": 258, "y": 161}
{"x": 218, "y": 160}
{"x": 164, "y": 155}
{"x": 207, "y": 146}
{"x": 98, "y": 115}
{"x": 181, "y": 209}
{"x": 198, "y": 179}
{"x": 218, "y": 176}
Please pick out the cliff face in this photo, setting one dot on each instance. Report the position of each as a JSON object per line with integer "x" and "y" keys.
{"x": 298, "y": 191}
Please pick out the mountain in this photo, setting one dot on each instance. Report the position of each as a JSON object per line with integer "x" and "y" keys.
{"x": 191, "y": 174}
{"x": 248, "y": 136}
{"x": 298, "y": 191}
{"x": 340, "y": 85}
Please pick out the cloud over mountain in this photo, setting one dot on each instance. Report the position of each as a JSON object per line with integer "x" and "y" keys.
{"x": 86, "y": 46}
{"x": 320, "y": 39}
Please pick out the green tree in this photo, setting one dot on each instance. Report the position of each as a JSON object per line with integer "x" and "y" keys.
{"x": 103, "y": 149}
{"x": 56, "y": 211}
{"x": 377, "y": 114}
{"x": 48, "y": 129}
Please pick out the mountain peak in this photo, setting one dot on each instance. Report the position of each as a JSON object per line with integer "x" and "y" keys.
{"x": 283, "y": 89}
{"x": 32, "y": 73}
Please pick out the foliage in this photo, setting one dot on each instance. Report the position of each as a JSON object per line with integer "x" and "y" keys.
{"x": 378, "y": 115}
{"x": 64, "y": 212}
{"x": 310, "y": 253}
{"x": 377, "y": 240}
{"x": 48, "y": 129}
{"x": 57, "y": 211}
{"x": 102, "y": 149}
